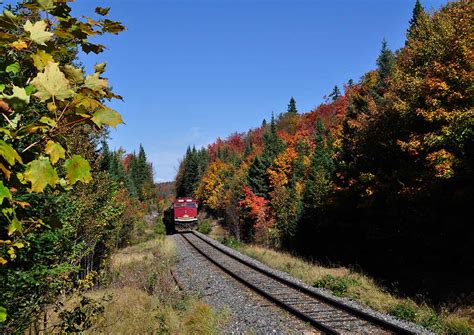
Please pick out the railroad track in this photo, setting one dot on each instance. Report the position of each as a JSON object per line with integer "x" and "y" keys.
{"x": 324, "y": 313}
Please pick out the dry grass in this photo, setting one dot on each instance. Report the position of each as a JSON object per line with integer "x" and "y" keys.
{"x": 133, "y": 311}
{"x": 144, "y": 298}
{"x": 344, "y": 282}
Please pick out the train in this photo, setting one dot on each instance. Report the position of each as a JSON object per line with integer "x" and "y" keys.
{"x": 182, "y": 214}
{"x": 185, "y": 210}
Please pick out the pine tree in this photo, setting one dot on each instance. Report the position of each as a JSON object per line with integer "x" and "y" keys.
{"x": 418, "y": 11}
{"x": 385, "y": 63}
{"x": 292, "y": 106}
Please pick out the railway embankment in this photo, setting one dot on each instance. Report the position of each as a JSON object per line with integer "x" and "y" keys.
{"x": 353, "y": 287}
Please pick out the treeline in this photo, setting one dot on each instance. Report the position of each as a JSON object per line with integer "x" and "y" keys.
{"x": 380, "y": 174}
{"x": 66, "y": 201}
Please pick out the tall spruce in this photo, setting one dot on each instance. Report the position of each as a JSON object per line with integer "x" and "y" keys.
{"x": 321, "y": 170}
{"x": 418, "y": 11}
{"x": 335, "y": 94}
{"x": 292, "y": 106}
{"x": 258, "y": 176}
{"x": 385, "y": 63}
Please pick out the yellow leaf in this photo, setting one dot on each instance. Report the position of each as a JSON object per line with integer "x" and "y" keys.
{"x": 19, "y": 45}
{"x": 52, "y": 83}
{"x": 74, "y": 74}
{"x": 41, "y": 58}
{"x": 55, "y": 151}
{"x": 38, "y": 33}
{"x": 95, "y": 83}
{"x": 3, "y": 261}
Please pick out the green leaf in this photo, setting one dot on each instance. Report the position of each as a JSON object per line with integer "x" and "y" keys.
{"x": 77, "y": 169}
{"x": 38, "y": 33}
{"x": 4, "y": 192}
{"x": 13, "y": 68}
{"x": 46, "y": 4}
{"x": 102, "y": 11}
{"x": 8, "y": 153}
{"x": 52, "y": 83}
{"x": 95, "y": 83}
{"x": 2, "y": 88}
{"x": 3, "y": 314}
{"x": 47, "y": 120}
{"x": 40, "y": 174}
{"x": 41, "y": 58}
{"x": 107, "y": 116}
{"x": 55, "y": 151}
{"x": 18, "y": 100}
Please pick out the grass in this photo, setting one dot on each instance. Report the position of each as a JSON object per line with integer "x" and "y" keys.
{"x": 204, "y": 226}
{"x": 145, "y": 299}
{"x": 142, "y": 297}
{"x": 344, "y": 282}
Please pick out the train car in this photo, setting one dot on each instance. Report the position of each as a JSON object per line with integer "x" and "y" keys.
{"x": 185, "y": 210}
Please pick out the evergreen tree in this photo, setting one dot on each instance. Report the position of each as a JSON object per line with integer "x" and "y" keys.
{"x": 348, "y": 134}
{"x": 385, "y": 63}
{"x": 321, "y": 170}
{"x": 106, "y": 155}
{"x": 258, "y": 175}
{"x": 418, "y": 11}
{"x": 292, "y": 106}
{"x": 335, "y": 94}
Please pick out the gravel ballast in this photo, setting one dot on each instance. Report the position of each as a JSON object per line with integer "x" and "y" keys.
{"x": 246, "y": 312}
{"x": 407, "y": 325}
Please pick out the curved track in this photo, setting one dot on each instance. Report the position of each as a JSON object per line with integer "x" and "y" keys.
{"x": 324, "y": 313}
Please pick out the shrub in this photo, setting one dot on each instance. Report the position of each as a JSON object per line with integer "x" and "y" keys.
{"x": 337, "y": 285}
{"x": 231, "y": 242}
{"x": 204, "y": 226}
{"x": 405, "y": 311}
{"x": 160, "y": 228}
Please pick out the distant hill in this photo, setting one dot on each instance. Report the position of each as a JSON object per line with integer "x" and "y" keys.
{"x": 166, "y": 189}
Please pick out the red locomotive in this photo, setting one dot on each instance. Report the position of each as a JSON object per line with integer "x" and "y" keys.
{"x": 185, "y": 210}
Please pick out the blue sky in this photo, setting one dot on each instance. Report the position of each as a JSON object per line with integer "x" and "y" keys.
{"x": 192, "y": 71}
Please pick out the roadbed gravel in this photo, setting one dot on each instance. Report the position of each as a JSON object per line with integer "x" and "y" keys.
{"x": 245, "y": 312}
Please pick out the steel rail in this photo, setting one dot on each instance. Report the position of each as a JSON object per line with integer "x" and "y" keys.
{"x": 303, "y": 316}
{"x": 330, "y": 301}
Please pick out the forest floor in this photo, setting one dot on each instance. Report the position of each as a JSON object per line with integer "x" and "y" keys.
{"x": 344, "y": 282}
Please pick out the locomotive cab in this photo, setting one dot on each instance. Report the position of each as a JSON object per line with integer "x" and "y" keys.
{"x": 185, "y": 210}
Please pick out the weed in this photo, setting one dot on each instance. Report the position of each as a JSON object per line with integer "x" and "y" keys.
{"x": 204, "y": 226}
{"x": 404, "y": 310}
{"x": 338, "y": 285}
{"x": 160, "y": 228}
{"x": 231, "y": 242}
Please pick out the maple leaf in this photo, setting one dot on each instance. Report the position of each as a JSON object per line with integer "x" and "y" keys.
{"x": 38, "y": 33}
{"x": 107, "y": 116}
{"x": 74, "y": 74}
{"x": 41, "y": 59}
{"x": 95, "y": 83}
{"x": 52, "y": 83}
{"x": 4, "y": 192}
{"x": 77, "y": 169}
{"x": 18, "y": 99}
{"x": 55, "y": 151}
{"x": 19, "y": 45}
{"x": 8, "y": 153}
{"x": 40, "y": 174}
